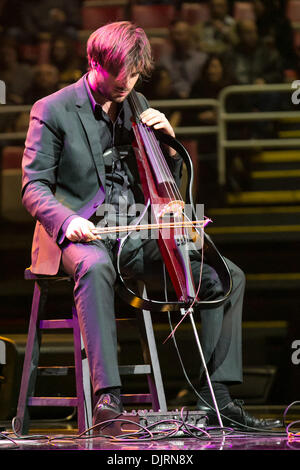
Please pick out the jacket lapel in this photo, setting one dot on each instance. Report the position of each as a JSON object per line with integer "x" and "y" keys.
{"x": 91, "y": 126}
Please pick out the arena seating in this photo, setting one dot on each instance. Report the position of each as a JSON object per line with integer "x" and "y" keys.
{"x": 153, "y": 16}
{"x": 293, "y": 11}
{"x": 195, "y": 13}
{"x": 95, "y": 16}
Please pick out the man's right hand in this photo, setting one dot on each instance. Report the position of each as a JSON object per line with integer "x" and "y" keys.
{"x": 80, "y": 230}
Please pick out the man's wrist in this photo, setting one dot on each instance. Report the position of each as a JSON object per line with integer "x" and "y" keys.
{"x": 175, "y": 156}
{"x": 62, "y": 233}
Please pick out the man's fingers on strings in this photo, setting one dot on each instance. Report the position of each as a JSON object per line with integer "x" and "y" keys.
{"x": 153, "y": 117}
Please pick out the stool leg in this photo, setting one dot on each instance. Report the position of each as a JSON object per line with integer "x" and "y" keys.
{"x": 157, "y": 388}
{"x": 155, "y": 382}
{"x": 82, "y": 380}
{"x": 31, "y": 359}
{"x": 149, "y": 349}
{"x": 87, "y": 389}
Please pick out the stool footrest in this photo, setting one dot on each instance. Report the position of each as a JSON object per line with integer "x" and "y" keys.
{"x": 66, "y": 323}
{"x": 55, "y": 370}
{"x": 135, "y": 369}
{"x": 52, "y": 401}
{"x": 137, "y": 398}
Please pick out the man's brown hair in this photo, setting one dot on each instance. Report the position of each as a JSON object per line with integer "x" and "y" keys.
{"x": 121, "y": 48}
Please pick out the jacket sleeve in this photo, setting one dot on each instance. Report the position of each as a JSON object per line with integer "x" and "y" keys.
{"x": 43, "y": 147}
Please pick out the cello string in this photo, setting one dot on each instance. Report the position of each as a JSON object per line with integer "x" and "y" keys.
{"x": 159, "y": 166}
{"x": 158, "y": 162}
{"x": 165, "y": 170}
{"x": 154, "y": 159}
{"x": 190, "y": 308}
{"x": 151, "y": 138}
{"x": 165, "y": 167}
{"x": 178, "y": 232}
{"x": 151, "y": 145}
{"x": 144, "y": 131}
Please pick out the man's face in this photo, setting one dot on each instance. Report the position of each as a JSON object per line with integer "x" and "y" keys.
{"x": 215, "y": 71}
{"x": 180, "y": 35}
{"x": 47, "y": 76}
{"x": 248, "y": 34}
{"x": 114, "y": 87}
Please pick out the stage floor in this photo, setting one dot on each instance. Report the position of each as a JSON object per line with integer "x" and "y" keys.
{"x": 276, "y": 441}
{"x": 62, "y": 435}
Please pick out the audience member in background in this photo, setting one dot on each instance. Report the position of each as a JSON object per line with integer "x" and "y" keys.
{"x": 252, "y": 61}
{"x": 64, "y": 56}
{"x": 51, "y": 17}
{"x": 22, "y": 122}
{"x": 255, "y": 63}
{"x": 159, "y": 87}
{"x": 218, "y": 33}
{"x": 16, "y": 122}
{"x": 16, "y": 75}
{"x": 275, "y": 29}
{"x": 214, "y": 77}
{"x": 183, "y": 62}
{"x": 45, "y": 82}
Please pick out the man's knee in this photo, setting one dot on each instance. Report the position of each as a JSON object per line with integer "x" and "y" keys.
{"x": 98, "y": 266}
{"x": 238, "y": 276}
{"x": 211, "y": 286}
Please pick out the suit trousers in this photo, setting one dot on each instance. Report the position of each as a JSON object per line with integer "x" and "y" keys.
{"x": 92, "y": 265}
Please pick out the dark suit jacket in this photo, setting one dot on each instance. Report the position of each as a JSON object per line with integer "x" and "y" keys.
{"x": 63, "y": 168}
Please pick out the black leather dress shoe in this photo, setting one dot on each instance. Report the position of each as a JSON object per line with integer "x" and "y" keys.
{"x": 107, "y": 408}
{"x": 233, "y": 415}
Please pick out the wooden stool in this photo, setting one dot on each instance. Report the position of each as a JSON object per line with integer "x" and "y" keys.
{"x": 83, "y": 399}
{"x": 37, "y": 324}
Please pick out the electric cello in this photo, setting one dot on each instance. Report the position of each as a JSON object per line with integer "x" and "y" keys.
{"x": 177, "y": 232}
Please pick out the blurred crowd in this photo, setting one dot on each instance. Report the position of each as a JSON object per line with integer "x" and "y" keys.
{"x": 41, "y": 51}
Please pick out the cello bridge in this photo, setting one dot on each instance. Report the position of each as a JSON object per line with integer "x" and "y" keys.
{"x": 173, "y": 207}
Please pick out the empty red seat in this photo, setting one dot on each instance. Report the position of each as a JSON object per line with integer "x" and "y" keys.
{"x": 293, "y": 11}
{"x": 95, "y": 16}
{"x": 12, "y": 157}
{"x": 297, "y": 39}
{"x": 194, "y": 13}
{"x": 29, "y": 53}
{"x": 11, "y": 183}
{"x": 153, "y": 16}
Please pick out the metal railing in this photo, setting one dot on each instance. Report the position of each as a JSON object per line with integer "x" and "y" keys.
{"x": 219, "y": 129}
{"x": 224, "y": 117}
{"x": 160, "y": 104}
{"x": 13, "y": 109}
{"x": 189, "y": 103}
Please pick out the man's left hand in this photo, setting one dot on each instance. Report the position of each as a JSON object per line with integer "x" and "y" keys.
{"x": 154, "y": 118}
